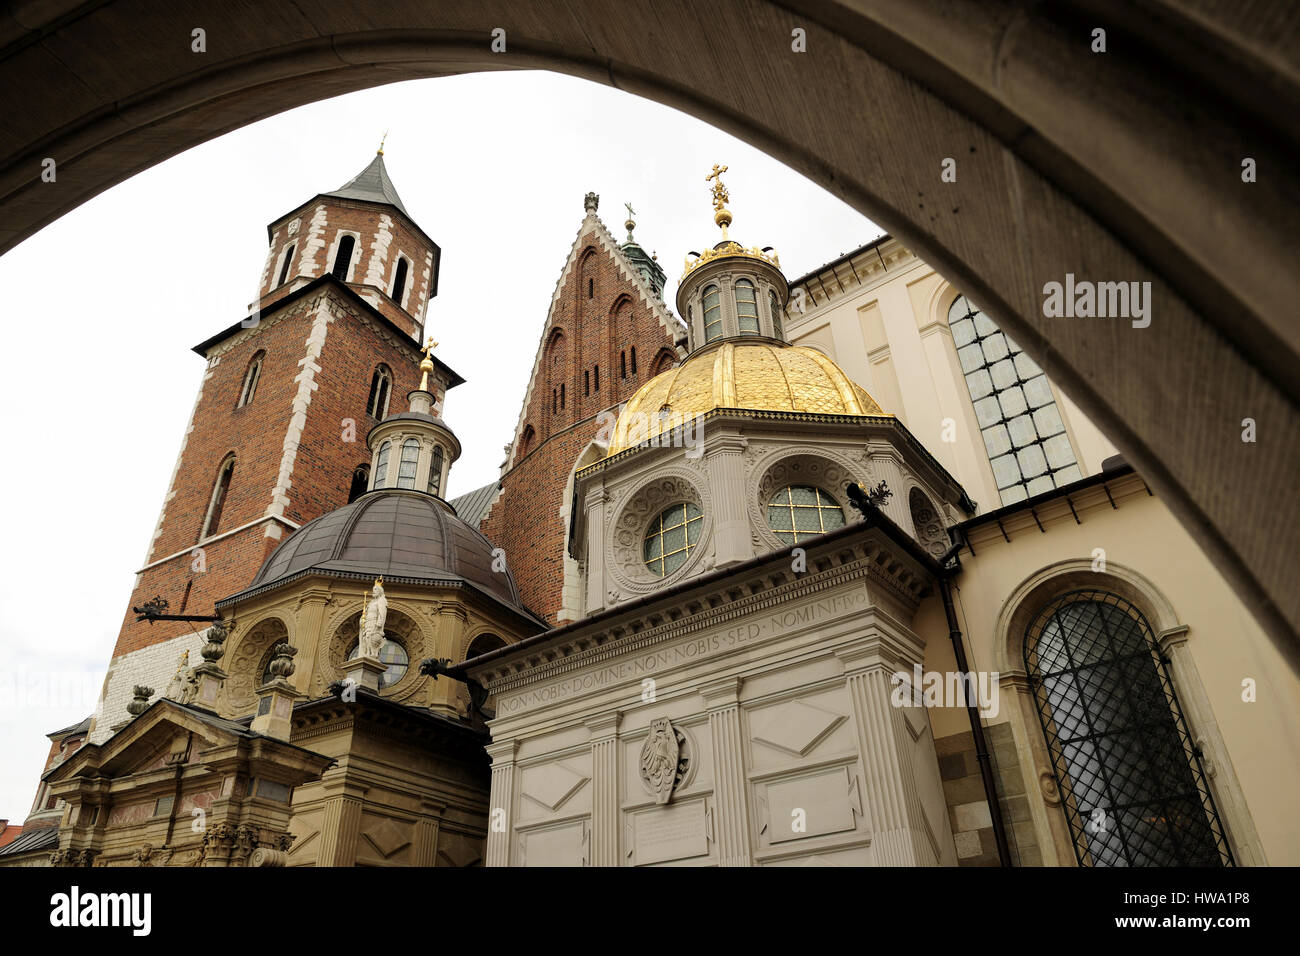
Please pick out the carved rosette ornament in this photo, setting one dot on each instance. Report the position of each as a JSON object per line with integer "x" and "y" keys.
{"x": 665, "y": 759}
{"x": 625, "y": 551}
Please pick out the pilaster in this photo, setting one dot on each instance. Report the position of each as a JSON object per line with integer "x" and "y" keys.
{"x": 501, "y": 802}
{"x": 730, "y": 795}
{"x": 733, "y": 542}
{"x": 604, "y": 807}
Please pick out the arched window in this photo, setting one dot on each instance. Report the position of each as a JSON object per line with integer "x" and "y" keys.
{"x": 746, "y": 306}
{"x": 343, "y": 259}
{"x": 526, "y": 442}
{"x": 381, "y": 466}
{"x": 561, "y": 394}
{"x": 1023, "y": 433}
{"x": 591, "y": 288}
{"x": 380, "y": 385}
{"x": 596, "y": 379}
{"x": 220, "y": 490}
{"x": 482, "y": 645}
{"x": 775, "y": 305}
{"x": 586, "y": 382}
{"x": 1129, "y": 775}
{"x": 399, "y": 281}
{"x": 435, "y": 470}
{"x": 712, "y": 313}
{"x": 251, "y": 375}
{"x": 798, "y": 512}
{"x": 632, "y": 350}
{"x": 622, "y": 364}
{"x": 284, "y": 269}
{"x": 406, "y": 466}
{"x": 360, "y": 482}
{"x": 670, "y": 538}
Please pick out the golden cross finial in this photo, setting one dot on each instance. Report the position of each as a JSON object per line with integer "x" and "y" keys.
{"x": 380, "y": 151}
{"x": 721, "y": 197}
{"x": 426, "y": 366}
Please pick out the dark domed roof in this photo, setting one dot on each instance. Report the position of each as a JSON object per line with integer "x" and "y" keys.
{"x": 394, "y": 533}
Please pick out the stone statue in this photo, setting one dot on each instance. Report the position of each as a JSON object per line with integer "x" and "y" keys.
{"x": 184, "y": 684}
{"x": 659, "y": 759}
{"x": 372, "y": 622}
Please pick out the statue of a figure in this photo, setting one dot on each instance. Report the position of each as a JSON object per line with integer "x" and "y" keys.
{"x": 372, "y": 622}
{"x": 184, "y": 684}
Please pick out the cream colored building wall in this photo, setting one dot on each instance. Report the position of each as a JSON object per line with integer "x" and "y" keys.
{"x": 1252, "y": 749}
{"x": 883, "y": 317}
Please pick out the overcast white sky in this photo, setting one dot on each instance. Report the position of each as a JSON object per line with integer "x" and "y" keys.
{"x": 103, "y": 307}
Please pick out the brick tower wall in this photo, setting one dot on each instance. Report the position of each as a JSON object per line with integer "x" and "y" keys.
{"x": 599, "y": 315}
{"x": 322, "y": 464}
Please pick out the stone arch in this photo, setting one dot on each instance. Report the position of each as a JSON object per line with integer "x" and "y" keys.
{"x": 1228, "y": 306}
{"x": 483, "y": 643}
{"x": 928, "y": 525}
{"x": 663, "y": 361}
{"x": 402, "y": 625}
{"x": 244, "y": 661}
{"x": 623, "y": 556}
{"x": 819, "y": 468}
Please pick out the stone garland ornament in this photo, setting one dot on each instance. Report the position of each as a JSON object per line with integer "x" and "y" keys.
{"x": 624, "y": 552}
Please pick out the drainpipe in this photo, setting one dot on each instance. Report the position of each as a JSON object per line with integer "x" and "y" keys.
{"x": 972, "y": 712}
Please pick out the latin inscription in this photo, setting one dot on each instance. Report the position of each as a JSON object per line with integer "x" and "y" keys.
{"x": 695, "y": 648}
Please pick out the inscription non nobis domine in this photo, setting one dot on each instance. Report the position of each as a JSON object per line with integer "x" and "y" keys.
{"x": 694, "y": 648}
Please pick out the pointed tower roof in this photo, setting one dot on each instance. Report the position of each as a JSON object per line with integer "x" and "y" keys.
{"x": 372, "y": 185}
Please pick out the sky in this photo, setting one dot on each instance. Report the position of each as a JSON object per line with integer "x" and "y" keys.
{"x": 102, "y": 308}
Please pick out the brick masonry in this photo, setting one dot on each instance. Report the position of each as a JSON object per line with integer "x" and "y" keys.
{"x": 968, "y": 810}
{"x": 601, "y": 310}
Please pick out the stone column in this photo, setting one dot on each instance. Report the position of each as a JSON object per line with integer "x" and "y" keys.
{"x": 731, "y": 534}
{"x": 341, "y": 826}
{"x": 502, "y": 801}
{"x": 425, "y": 851}
{"x": 886, "y": 746}
{"x": 885, "y": 465}
{"x": 595, "y": 505}
{"x": 731, "y": 790}
{"x": 604, "y": 780}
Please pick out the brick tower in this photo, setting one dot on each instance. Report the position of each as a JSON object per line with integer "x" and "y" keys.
{"x": 277, "y": 436}
{"x": 607, "y": 332}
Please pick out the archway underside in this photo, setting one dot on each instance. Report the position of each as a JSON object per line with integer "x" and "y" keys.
{"x": 1122, "y": 166}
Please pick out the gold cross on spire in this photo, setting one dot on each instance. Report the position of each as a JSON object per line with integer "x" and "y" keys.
{"x": 427, "y": 365}
{"x": 721, "y": 215}
{"x": 380, "y": 151}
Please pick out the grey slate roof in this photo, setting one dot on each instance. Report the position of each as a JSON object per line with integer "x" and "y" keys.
{"x": 372, "y": 185}
{"x": 39, "y": 839}
{"x": 78, "y": 728}
{"x": 397, "y": 534}
{"x": 471, "y": 507}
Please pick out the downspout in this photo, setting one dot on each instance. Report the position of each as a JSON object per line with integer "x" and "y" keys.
{"x": 946, "y": 574}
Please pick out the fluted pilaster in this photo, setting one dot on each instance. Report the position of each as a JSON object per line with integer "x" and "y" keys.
{"x": 501, "y": 803}
{"x": 730, "y": 794}
{"x": 604, "y": 804}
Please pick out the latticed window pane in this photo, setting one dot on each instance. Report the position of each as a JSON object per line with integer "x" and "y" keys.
{"x": 797, "y": 512}
{"x": 670, "y": 538}
{"x": 381, "y": 466}
{"x": 406, "y": 467}
{"x": 746, "y": 306}
{"x": 712, "y": 313}
{"x": 1132, "y": 786}
{"x": 394, "y": 655}
{"x": 435, "y": 470}
{"x": 775, "y": 305}
{"x": 1012, "y": 399}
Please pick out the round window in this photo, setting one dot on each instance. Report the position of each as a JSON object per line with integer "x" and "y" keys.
{"x": 798, "y": 512}
{"x": 670, "y": 538}
{"x": 392, "y": 654}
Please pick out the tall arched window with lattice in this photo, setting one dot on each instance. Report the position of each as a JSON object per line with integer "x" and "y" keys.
{"x": 1022, "y": 428}
{"x": 251, "y": 376}
{"x": 1127, "y": 770}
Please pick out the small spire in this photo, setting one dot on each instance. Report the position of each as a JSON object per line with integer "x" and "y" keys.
{"x": 721, "y": 214}
{"x": 590, "y": 202}
{"x": 382, "y": 139}
{"x": 427, "y": 365}
{"x": 631, "y": 223}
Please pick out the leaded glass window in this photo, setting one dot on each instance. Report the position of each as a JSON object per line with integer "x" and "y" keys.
{"x": 797, "y": 512}
{"x": 435, "y": 470}
{"x": 381, "y": 466}
{"x": 746, "y": 306}
{"x": 775, "y": 305}
{"x": 670, "y": 538}
{"x": 712, "y": 313}
{"x": 406, "y": 466}
{"x": 1022, "y": 429}
{"x": 392, "y": 654}
{"x": 1128, "y": 772}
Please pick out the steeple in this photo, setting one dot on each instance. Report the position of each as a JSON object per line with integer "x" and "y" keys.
{"x": 372, "y": 184}
{"x": 647, "y": 265}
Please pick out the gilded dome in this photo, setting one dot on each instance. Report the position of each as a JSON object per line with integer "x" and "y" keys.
{"x": 765, "y": 376}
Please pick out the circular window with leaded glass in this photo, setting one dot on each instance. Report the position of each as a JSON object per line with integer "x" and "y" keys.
{"x": 392, "y": 654}
{"x": 670, "y": 538}
{"x": 797, "y": 512}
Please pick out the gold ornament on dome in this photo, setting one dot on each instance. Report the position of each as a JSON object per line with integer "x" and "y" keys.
{"x": 427, "y": 365}
{"x": 722, "y": 216}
